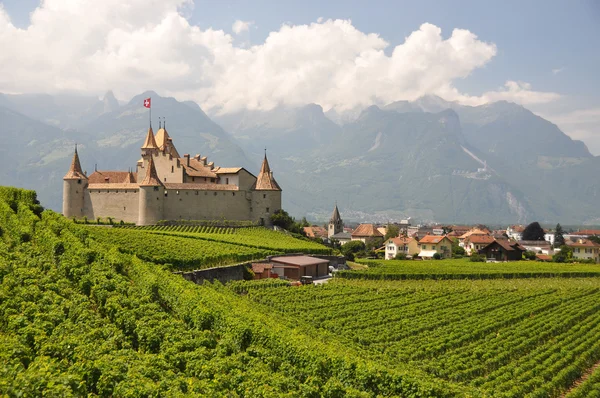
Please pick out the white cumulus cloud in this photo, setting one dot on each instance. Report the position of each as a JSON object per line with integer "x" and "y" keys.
{"x": 241, "y": 26}
{"x": 132, "y": 46}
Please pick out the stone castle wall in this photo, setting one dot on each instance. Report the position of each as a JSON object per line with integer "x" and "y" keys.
{"x": 120, "y": 204}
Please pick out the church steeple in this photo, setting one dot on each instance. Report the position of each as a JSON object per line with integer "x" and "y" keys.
{"x": 75, "y": 172}
{"x": 336, "y": 225}
{"x": 265, "y": 180}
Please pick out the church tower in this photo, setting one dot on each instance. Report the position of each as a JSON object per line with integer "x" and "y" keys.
{"x": 74, "y": 185}
{"x": 336, "y": 225}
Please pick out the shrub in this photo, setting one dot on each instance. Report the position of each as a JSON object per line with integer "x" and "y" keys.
{"x": 529, "y": 255}
{"x": 437, "y": 256}
{"x": 477, "y": 258}
{"x": 400, "y": 256}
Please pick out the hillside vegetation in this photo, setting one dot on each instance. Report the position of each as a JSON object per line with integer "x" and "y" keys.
{"x": 79, "y": 317}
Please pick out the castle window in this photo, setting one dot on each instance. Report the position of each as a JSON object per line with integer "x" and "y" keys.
{"x": 76, "y": 191}
{"x": 212, "y": 180}
{"x": 264, "y": 195}
{"x": 205, "y": 179}
{"x": 166, "y": 193}
{"x": 117, "y": 191}
{"x": 215, "y": 194}
{"x": 124, "y": 208}
{"x": 233, "y": 193}
{"x": 193, "y": 179}
{"x": 172, "y": 169}
{"x": 165, "y": 179}
{"x": 79, "y": 181}
{"x": 107, "y": 191}
{"x": 125, "y": 191}
{"x": 196, "y": 192}
{"x": 226, "y": 180}
{"x": 267, "y": 209}
{"x": 156, "y": 188}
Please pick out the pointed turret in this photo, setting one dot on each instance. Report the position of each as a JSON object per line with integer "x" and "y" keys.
{"x": 151, "y": 179}
{"x": 265, "y": 180}
{"x": 129, "y": 178}
{"x": 150, "y": 142}
{"x": 335, "y": 216}
{"x": 164, "y": 142}
{"x": 75, "y": 172}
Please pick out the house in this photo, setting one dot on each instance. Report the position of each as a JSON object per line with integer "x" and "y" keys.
{"x": 262, "y": 270}
{"x": 503, "y": 250}
{"x": 474, "y": 231}
{"x": 366, "y": 231}
{"x": 294, "y": 267}
{"x": 585, "y": 249}
{"x": 342, "y": 237}
{"x": 537, "y": 246}
{"x": 431, "y": 244}
{"x": 315, "y": 231}
{"x": 401, "y": 244}
{"x": 474, "y": 243}
{"x": 587, "y": 232}
{"x": 515, "y": 232}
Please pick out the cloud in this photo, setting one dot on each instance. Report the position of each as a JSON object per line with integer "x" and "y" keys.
{"x": 557, "y": 71}
{"x": 581, "y": 124}
{"x": 93, "y": 46}
{"x": 241, "y": 26}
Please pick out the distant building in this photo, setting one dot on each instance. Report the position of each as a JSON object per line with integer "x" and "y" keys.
{"x": 342, "y": 237}
{"x": 366, "y": 231}
{"x": 166, "y": 186}
{"x": 585, "y": 249}
{"x": 315, "y": 231}
{"x": 503, "y": 250}
{"x": 400, "y": 245}
{"x": 537, "y": 246}
{"x": 515, "y": 232}
{"x": 336, "y": 225}
{"x": 431, "y": 244}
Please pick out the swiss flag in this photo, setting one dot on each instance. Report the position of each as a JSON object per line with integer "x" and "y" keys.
{"x": 147, "y": 102}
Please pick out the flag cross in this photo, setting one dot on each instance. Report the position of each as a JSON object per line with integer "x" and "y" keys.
{"x": 147, "y": 102}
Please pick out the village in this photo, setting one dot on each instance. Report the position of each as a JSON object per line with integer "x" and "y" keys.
{"x": 402, "y": 241}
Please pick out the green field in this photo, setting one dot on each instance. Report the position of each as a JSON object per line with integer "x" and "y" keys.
{"x": 256, "y": 237}
{"x": 464, "y": 269}
{"x": 84, "y": 313}
{"x": 505, "y": 338}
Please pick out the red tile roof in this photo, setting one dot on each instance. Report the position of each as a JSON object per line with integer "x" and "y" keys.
{"x": 75, "y": 172}
{"x": 265, "y": 180}
{"x": 435, "y": 239}
{"x": 366, "y": 230}
{"x": 112, "y": 177}
{"x": 401, "y": 240}
{"x": 315, "y": 231}
{"x": 582, "y": 243}
{"x": 587, "y": 232}
{"x": 197, "y": 168}
{"x": 151, "y": 178}
{"x": 479, "y": 239}
{"x": 201, "y": 187}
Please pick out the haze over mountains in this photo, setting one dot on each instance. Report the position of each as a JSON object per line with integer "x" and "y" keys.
{"x": 429, "y": 159}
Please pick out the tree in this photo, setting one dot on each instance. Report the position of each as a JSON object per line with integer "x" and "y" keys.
{"x": 392, "y": 231}
{"x": 565, "y": 254}
{"x": 533, "y": 231}
{"x": 559, "y": 239}
{"x": 353, "y": 247}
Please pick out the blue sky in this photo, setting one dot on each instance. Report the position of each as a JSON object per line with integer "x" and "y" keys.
{"x": 553, "y": 46}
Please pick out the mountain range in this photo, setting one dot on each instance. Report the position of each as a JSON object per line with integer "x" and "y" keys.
{"x": 429, "y": 159}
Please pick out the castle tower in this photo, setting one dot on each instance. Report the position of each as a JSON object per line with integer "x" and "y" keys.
{"x": 149, "y": 149}
{"x": 151, "y": 197}
{"x": 74, "y": 185}
{"x": 336, "y": 225}
{"x": 267, "y": 194}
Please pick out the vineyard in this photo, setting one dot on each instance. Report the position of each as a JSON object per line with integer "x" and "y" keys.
{"x": 179, "y": 252}
{"x": 255, "y": 237}
{"x": 507, "y": 338}
{"x": 464, "y": 269}
{"x": 80, "y": 318}
{"x": 84, "y": 313}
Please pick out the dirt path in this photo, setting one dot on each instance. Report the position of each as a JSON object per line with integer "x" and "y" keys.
{"x": 582, "y": 379}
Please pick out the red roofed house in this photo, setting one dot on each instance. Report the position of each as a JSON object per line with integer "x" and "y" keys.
{"x": 431, "y": 244}
{"x": 585, "y": 249}
{"x": 314, "y": 231}
{"x": 400, "y": 245}
{"x": 587, "y": 232}
{"x": 366, "y": 231}
{"x": 474, "y": 243}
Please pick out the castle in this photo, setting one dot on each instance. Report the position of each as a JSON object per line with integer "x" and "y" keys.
{"x": 166, "y": 186}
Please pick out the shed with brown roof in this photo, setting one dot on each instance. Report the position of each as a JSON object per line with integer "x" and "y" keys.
{"x": 294, "y": 267}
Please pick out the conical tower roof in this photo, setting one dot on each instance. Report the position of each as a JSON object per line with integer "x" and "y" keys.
{"x": 265, "y": 180}
{"x": 129, "y": 178}
{"x": 150, "y": 142}
{"x": 335, "y": 216}
{"x": 151, "y": 179}
{"x": 75, "y": 172}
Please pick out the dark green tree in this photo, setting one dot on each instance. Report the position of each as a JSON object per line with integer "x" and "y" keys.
{"x": 559, "y": 239}
{"x": 533, "y": 231}
{"x": 392, "y": 231}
